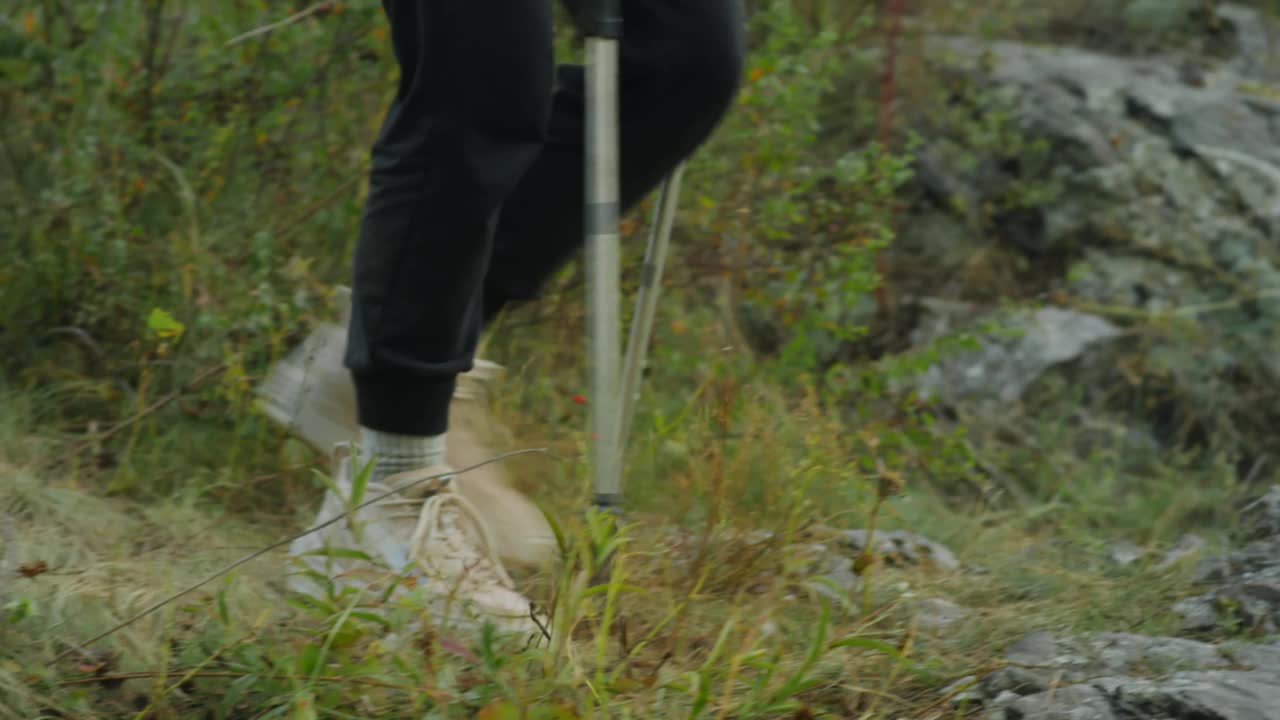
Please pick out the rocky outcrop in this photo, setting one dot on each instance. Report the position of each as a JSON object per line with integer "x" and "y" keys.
{"x": 1138, "y": 197}
{"x": 1006, "y": 363}
{"x": 1123, "y": 676}
{"x": 1245, "y": 594}
{"x": 1119, "y": 676}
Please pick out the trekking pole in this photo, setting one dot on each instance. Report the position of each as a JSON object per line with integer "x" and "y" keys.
{"x": 655, "y": 257}
{"x": 604, "y": 265}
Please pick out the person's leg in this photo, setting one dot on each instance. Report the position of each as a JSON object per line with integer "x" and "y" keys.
{"x": 681, "y": 67}
{"x": 468, "y": 120}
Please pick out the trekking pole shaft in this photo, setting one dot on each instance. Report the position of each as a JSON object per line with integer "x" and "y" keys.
{"x": 655, "y": 258}
{"x": 604, "y": 265}
{"x": 604, "y": 19}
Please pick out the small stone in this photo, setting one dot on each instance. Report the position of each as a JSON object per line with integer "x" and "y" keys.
{"x": 938, "y": 613}
{"x": 1211, "y": 570}
{"x": 842, "y": 575}
{"x": 1005, "y": 698}
{"x": 1076, "y": 702}
{"x": 964, "y": 690}
{"x": 1187, "y": 545}
{"x": 1261, "y": 518}
{"x": 1038, "y": 648}
{"x": 1124, "y": 553}
{"x": 1197, "y": 613}
{"x": 899, "y": 547}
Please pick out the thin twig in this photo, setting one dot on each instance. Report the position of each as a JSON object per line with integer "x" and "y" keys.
{"x": 152, "y": 408}
{"x": 300, "y": 15}
{"x": 285, "y": 229}
{"x": 884, "y": 125}
{"x": 79, "y": 334}
{"x": 263, "y": 551}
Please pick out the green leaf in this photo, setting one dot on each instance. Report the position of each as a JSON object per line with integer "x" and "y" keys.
{"x": 311, "y": 605}
{"x": 799, "y": 680}
{"x": 232, "y": 695}
{"x": 337, "y": 553}
{"x": 19, "y": 610}
{"x": 223, "y": 613}
{"x": 308, "y": 660}
{"x": 703, "y": 695}
{"x": 164, "y": 325}
{"x": 373, "y": 618}
{"x": 879, "y": 645}
{"x": 358, "y": 486}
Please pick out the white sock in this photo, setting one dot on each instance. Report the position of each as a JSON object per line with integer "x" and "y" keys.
{"x": 394, "y": 453}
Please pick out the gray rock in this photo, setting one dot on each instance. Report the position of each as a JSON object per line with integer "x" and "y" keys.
{"x": 1043, "y": 661}
{"x": 1257, "y": 53}
{"x": 1216, "y": 695}
{"x": 936, "y": 613}
{"x": 899, "y": 547}
{"x": 1254, "y": 655}
{"x": 1246, "y": 582}
{"x": 1261, "y": 518}
{"x": 963, "y": 691}
{"x": 825, "y": 571}
{"x": 1003, "y": 367}
{"x": 1198, "y": 613}
{"x": 1163, "y": 193}
{"x": 1124, "y": 553}
{"x": 1076, "y": 702}
{"x": 1187, "y": 546}
{"x": 1038, "y": 648}
{"x": 1119, "y": 676}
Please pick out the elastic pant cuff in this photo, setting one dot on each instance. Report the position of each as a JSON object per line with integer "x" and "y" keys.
{"x": 404, "y": 405}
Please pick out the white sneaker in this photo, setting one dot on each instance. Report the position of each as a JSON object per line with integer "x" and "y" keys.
{"x": 311, "y": 393}
{"x": 427, "y": 549}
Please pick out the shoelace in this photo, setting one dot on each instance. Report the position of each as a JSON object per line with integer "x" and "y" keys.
{"x": 427, "y": 514}
{"x": 429, "y": 522}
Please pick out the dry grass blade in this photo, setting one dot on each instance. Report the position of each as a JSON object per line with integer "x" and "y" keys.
{"x": 7, "y": 547}
{"x": 196, "y": 381}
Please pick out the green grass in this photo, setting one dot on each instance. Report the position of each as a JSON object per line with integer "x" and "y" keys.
{"x": 705, "y": 617}
{"x": 151, "y": 275}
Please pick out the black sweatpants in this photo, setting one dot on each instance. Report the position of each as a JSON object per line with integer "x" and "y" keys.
{"x": 476, "y": 187}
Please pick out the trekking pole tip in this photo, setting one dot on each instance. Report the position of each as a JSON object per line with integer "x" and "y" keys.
{"x": 609, "y": 503}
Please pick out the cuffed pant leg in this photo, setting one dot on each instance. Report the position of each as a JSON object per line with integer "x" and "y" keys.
{"x": 469, "y": 118}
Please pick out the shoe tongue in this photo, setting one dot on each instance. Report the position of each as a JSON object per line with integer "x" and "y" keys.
{"x": 423, "y": 482}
